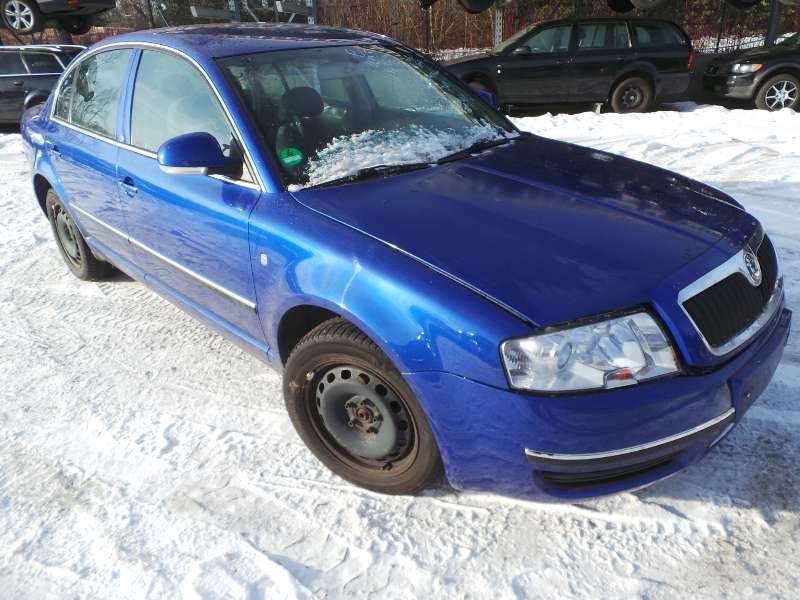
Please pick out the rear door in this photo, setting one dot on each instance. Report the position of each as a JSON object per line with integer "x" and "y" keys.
{"x": 44, "y": 69}
{"x": 81, "y": 142}
{"x": 667, "y": 48}
{"x": 538, "y": 69}
{"x": 602, "y": 50}
{"x": 190, "y": 232}
{"x": 12, "y": 85}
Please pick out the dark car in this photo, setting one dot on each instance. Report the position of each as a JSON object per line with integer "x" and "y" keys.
{"x": 628, "y": 63}
{"x": 768, "y": 76}
{"x": 29, "y": 16}
{"x": 440, "y": 290}
{"x": 25, "y": 69}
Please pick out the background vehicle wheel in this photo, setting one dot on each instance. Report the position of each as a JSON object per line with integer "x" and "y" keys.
{"x": 781, "y": 91}
{"x": 70, "y": 242}
{"x": 22, "y": 16}
{"x": 76, "y": 25}
{"x": 744, "y": 4}
{"x": 621, "y": 6}
{"x": 353, "y": 410}
{"x": 632, "y": 95}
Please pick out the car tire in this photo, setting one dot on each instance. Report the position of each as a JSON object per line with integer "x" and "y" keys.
{"x": 77, "y": 25}
{"x": 744, "y": 4}
{"x": 620, "y": 6}
{"x": 781, "y": 91}
{"x": 354, "y": 411}
{"x": 22, "y": 17}
{"x": 632, "y": 95}
{"x": 73, "y": 248}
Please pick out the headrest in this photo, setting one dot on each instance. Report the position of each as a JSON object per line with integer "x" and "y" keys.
{"x": 303, "y": 102}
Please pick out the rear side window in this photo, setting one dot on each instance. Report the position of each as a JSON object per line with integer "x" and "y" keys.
{"x": 649, "y": 35}
{"x": 41, "y": 62}
{"x": 96, "y": 90}
{"x": 603, "y": 36}
{"x": 171, "y": 98}
{"x": 11, "y": 64}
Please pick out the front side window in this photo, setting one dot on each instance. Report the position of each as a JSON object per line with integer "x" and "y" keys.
{"x": 171, "y": 98}
{"x": 11, "y": 64}
{"x": 550, "y": 40}
{"x": 603, "y": 36}
{"x": 41, "y": 62}
{"x": 96, "y": 89}
{"x": 347, "y": 110}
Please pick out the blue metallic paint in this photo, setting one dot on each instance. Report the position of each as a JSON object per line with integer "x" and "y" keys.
{"x": 192, "y": 150}
{"x": 555, "y": 232}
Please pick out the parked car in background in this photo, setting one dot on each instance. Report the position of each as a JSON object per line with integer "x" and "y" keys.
{"x": 440, "y": 290}
{"x": 24, "y": 69}
{"x": 23, "y": 17}
{"x": 768, "y": 76}
{"x": 627, "y": 63}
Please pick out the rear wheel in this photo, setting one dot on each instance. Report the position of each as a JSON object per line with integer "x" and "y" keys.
{"x": 632, "y": 95}
{"x": 70, "y": 242}
{"x": 76, "y": 25}
{"x": 22, "y": 16}
{"x": 779, "y": 92}
{"x": 355, "y": 412}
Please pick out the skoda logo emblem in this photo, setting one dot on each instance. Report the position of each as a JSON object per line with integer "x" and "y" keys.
{"x": 752, "y": 266}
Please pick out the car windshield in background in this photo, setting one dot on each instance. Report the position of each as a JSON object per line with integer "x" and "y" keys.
{"x": 508, "y": 42}
{"x": 339, "y": 114}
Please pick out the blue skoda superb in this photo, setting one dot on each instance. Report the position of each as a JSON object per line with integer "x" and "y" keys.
{"x": 445, "y": 295}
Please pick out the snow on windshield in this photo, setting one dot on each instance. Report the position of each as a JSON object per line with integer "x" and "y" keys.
{"x": 346, "y": 155}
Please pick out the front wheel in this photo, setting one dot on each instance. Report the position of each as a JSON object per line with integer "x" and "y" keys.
{"x": 778, "y": 93}
{"x": 632, "y": 95}
{"x": 355, "y": 412}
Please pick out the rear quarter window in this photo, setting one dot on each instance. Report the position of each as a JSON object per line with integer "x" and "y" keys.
{"x": 652, "y": 35}
{"x": 40, "y": 63}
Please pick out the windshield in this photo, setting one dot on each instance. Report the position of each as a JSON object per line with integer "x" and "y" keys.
{"x": 513, "y": 39}
{"x": 792, "y": 40}
{"x": 329, "y": 113}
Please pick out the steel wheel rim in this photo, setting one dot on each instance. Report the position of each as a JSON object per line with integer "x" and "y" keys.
{"x": 331, "y": 389}
{"x": 67, "y": 236}
{"x": 19, "y": 15}
{"x": 632, "y": 97}
{"x": 782, "y": 94}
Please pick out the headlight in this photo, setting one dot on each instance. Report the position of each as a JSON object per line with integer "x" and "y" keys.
{"x": 603, "y": 355}
{"x": 741, "y": 68}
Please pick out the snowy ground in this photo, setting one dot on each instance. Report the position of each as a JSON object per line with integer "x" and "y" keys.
{"x": 142, "y": 456}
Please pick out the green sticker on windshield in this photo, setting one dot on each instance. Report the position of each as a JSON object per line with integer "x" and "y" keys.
{"x": 290, "y": 157}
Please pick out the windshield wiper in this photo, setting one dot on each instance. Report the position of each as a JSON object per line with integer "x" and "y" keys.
{"x": 372, "y": 172}
{"x": 476, "y": 147}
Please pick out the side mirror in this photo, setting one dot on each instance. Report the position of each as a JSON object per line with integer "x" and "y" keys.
{"x": 488, "y": 97}
{"x": 35, "y": 98}
{"x": 192, "y": 154}
{"x": 521, "y": 51}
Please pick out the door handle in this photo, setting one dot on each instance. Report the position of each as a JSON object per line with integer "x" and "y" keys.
{"x": 563, "y": 61}
{"x": 127, "y": 186}
{"x": 17, "y": 83}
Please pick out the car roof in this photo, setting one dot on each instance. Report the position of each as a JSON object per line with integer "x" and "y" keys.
{"x": 608, "y": 20}
{"x": 231, "y": 39}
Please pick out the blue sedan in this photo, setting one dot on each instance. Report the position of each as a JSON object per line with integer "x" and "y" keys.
{"x": 445, "y": 295}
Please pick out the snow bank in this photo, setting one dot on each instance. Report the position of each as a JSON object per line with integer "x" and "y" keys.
{"x": 142, "y": 456}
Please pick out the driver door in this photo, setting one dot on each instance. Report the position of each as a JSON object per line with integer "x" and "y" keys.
{"x": 190, "y": 232}
{"x": 538, "y": 69}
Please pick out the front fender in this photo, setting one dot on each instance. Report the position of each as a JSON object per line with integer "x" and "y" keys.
{"x": 421, "y": 319}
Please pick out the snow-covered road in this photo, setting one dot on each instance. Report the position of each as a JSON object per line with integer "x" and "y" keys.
{"x": 142, "y": 456}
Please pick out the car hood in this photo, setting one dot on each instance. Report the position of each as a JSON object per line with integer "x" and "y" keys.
{"x": 552, "y": 231}
{"x": 467, "y": 59}
{"x": 756, "y": 54}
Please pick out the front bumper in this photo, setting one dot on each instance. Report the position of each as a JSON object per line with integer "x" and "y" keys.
{"x": 572, "y": 447}
{"x": 737, "y": 87}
